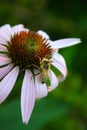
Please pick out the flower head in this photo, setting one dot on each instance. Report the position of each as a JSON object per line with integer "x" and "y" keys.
{"x": 34, "y": 54}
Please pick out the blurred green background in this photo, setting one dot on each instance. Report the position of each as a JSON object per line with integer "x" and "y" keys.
{"x": 65, "y": 108}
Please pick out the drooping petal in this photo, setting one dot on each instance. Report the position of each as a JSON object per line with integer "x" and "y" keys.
{"x": 65, "y": 42}
{"x": 5, "y": 34}
{"x": 54, "y": 81}
{"x": 7, "y": 83}
{"x": 41, "y": 89}
{"x": 43, "y": 34}
{"x": 5, "y": 70}
{"x": 27, "y": 96}
{"x": 59, "y": 62}
{"x": 19, "y": 28}
{"x": 4, "y": 60}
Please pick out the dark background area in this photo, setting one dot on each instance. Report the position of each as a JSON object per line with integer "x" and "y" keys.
{"x": 65, "y": 108}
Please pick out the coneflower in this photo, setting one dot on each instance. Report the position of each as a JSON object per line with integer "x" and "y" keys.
{"x": 33, "y": 53}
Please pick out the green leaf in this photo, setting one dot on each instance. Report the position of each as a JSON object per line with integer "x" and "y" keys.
{"x": 45, "y": 110}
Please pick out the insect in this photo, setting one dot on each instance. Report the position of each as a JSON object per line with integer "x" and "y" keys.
{"x": 45, "y": 69}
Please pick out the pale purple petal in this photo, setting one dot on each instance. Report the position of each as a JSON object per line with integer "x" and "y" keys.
{"x": 41, "y": 89}
{"x": 54, "y": 81}
{"x": 3, "y": 48}
{"x": 19, "y": 28}
{"x": 27, "y": 96}
{"x": 3, "y": 40}
{"x": 3, "y": 54}
{"x": 64, "y": 42}
{"x": 8, "y": 30}
{"x": 7, "y": 83}
{"x": 5, "y": 34}
{"x": 5, "y": 70}
{"x": 4, "y": 60}
{"x": 43, "y": 34}
{"x": 59, "y": 62}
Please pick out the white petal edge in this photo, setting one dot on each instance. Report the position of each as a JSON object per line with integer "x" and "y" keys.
{"x": 7, "y": 84}
{"x": 40, "y": 89}
{"x": 18, "y": 28}
{"x": 27, "y": 96}
{"x": 62, "y": 43}
{"x": 43, "y": 34}
{"x": 59, "y": 62}
{"x": 5, "y": 70}
{"x": 4, "y": 60}
{"x": 54, "y": 81}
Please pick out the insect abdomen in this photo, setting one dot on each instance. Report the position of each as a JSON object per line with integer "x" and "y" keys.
{"x": 44, "y": 76}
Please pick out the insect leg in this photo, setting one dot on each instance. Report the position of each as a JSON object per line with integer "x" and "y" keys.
{"x": 38, "y": 68}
